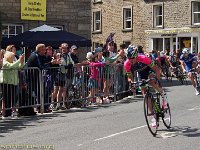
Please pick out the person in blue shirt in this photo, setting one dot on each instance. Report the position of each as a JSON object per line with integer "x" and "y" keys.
{"x": 188, "y": 61}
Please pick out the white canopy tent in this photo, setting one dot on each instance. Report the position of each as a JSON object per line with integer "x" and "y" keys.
{"x": 44, "y": 28}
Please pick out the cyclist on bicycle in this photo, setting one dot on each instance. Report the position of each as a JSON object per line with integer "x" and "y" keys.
{"x": 173, "y": 62}
{"x": 164, "y": 64}
{"x": 146, "y": 69}
{"x": 188, "y": 62}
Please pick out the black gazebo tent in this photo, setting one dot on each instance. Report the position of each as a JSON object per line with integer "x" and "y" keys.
{"x": 52, "y": 38}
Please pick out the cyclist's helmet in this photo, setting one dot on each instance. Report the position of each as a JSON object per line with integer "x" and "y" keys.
{"x": 162, "y": 54}
{"x": 185, "y": 51}
{"x": 171, "y": 54}
{"x": 132, "y": 51}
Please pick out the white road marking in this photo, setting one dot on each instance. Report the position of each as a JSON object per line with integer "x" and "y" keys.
{"x": 115, "y": 134}
{"x": 168, "y": 134}
{"x": 195, "y": 108}
{"x": 126, "y": 131}
{"x": 112, "y": 135}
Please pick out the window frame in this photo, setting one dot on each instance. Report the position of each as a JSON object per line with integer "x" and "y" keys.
{"x": 97, "y": 1}
{"x": 8, "y": 35}
{"x": 94, "y": 22}
{"x": 95, "y": 45}
{"x": 155, "y": 16}
{"x": 124, "y": 21}
{"x": 192, "y": 12}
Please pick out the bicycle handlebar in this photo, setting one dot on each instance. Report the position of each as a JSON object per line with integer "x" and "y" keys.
{"x": 192, "y": 70}
{"x": 143, "y": 81}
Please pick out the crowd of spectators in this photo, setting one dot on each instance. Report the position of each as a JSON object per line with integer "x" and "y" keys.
{"x": 21, "y": 81}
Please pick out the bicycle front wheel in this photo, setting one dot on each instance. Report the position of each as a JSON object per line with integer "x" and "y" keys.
{"x": 166, "y": 116}
{"x": 150, "y": 114}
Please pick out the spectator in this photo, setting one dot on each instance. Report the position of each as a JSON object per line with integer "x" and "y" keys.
{"x": 73, "y": 54}
{"x": 98, "y": 53}
{"x": 93, "y": 83}
{"x": 122, "y": 58}
{"x": 108, "y": 72}
{"x": 37, "y": 59}
{"x": 9, "y": 79}
{"x": 111, "y": 49}
{"x": 11, "y": 48}
{"x": 1, "y": 57}
{"x": 140, "y": 50}
{"x": 120, "y": 78}
{"x": 50, "y": 74}
{"x": 65, "y": 75}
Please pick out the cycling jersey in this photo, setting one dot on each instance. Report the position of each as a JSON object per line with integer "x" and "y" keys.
{"x": 173, "y": 60}
{"x": 188, "y": 61}
{"x": 142, "y": 66}
{"x": 163, "y": 60}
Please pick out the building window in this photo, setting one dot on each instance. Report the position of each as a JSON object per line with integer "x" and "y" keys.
{"x": 195, "y": 13}
{"x": 97, "y": 1}
{"x": 127, "y": 18}
{"x": 95, "y": 45}
{"x": 158, "y": 15}
{"x": 97, "y": 21}
{"x": 11, "y": 30}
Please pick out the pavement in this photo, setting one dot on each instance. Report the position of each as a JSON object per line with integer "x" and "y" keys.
{"x": 116, "y": 126}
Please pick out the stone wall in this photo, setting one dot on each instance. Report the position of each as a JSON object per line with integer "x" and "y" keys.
{"x": 73, "y": 15}
{"x": 177, "y": 14}
{"x": 112, "y": 21}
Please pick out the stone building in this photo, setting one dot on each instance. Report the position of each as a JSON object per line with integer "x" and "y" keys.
{"x": 116, "y": 16}
{"x": 70, "y": 15}
{"x": 155, "y": 24}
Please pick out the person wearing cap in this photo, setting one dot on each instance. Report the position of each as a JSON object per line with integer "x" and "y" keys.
{"x": 73, "y": 53}
{"x": 93, "y": 82}
{"x": 98, "y": 54}
{"x": 99, "y": 58}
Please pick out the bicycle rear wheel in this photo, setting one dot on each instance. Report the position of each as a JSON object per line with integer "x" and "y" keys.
{"x": 166, "y": 116}
{"x": 150, "y": 114}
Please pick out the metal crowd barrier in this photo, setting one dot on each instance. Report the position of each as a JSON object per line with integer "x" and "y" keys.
{"x": 58, "y": 85}
{"x": 20, "y": 88}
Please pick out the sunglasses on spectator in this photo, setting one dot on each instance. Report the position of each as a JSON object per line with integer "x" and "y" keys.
{"x": 65, "y": 47}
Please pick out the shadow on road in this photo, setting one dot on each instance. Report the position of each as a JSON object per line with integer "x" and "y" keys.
{"x": 174, "y": 82}
{"x": 180, "y": 131}
{"x": 9, "y": 125}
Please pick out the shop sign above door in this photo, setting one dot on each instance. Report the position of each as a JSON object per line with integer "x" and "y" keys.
{"x": 168, "y": 34}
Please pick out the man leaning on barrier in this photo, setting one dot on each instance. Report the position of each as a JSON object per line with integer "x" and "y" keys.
{"x": 37, "y": 59}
